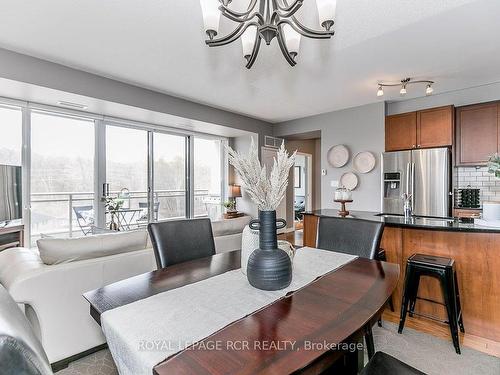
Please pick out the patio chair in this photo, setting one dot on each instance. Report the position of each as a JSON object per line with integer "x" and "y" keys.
{"x": 85, "y": 218}
{"x": 143, "y": 219}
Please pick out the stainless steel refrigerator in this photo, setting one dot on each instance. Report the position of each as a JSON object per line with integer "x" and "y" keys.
{"x": 425, "y": 173}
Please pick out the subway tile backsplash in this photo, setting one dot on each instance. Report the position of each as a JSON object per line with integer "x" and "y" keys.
{"x": 478, "y": 178}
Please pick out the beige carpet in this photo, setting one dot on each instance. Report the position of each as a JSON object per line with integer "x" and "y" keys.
{"x": 427, "y": 353}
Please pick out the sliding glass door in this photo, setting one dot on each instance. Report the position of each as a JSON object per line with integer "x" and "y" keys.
{"x": 169, "y": 176}
{"x": 62, "y": 175}
{"x": 209, "y": 177}
{"x": 127, "y": 176}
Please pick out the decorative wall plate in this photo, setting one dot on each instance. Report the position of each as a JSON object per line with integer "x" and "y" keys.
{"x": 364, "y": 162}
{"x": 338, "y": 156}
{"x": 349, "y": 180}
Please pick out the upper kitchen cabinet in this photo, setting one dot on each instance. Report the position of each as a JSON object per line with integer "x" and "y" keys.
{"x": 401, "y": 131}
{"x": 422, "y": 129}
{"x": 477, "y": 133}
{"x": 435, "y": 127}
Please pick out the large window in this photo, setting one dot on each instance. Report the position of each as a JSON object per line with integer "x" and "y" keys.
{"x": 72, "y": 161}
{"x": 209, "y": 177}
{"x": 10, "y": 135}
{"x": 62, "y": 175}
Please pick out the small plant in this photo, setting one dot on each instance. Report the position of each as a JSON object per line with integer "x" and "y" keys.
{"x": 494, "y": 165}
{"x": 229, "y": 205}
{"x": 113, "y": 204}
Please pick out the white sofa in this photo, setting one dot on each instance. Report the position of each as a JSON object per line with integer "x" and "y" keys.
{"x": 49, "y": 286}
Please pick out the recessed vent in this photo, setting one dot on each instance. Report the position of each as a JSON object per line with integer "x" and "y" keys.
{"x": 273, "y": 141}
{"x": 72, "y": 105}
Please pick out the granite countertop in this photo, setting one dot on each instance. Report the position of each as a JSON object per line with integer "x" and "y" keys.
{"x": 418, "y": 222}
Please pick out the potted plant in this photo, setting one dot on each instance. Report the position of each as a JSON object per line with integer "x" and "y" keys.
{"x": 112, "y": 206}
{"x": 494, "y": 165}
{"x": 269, "y": 268}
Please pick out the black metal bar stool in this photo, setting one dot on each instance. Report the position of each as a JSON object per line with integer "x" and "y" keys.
{"x": 444, "y": 270}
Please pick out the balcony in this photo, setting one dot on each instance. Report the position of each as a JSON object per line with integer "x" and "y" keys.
{"x": 53, "y": 214}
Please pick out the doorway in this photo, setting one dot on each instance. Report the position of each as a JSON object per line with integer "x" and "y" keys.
{"x": 302, "y": 188}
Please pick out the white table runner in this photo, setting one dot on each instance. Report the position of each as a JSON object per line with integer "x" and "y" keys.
{"x": 144, "y": 333}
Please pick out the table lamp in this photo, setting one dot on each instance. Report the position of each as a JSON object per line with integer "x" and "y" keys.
{"x": 234, "y": 192}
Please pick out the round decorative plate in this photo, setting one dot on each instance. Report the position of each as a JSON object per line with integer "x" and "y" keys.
{"x": 338, "y": 156}
{"x": 349, "y": 180}
{"x": 364, "y": 162}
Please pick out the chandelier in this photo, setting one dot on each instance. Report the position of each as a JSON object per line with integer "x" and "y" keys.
{"x": 266, "y": 19}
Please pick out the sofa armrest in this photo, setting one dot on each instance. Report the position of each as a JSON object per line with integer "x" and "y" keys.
{"x": 18, "y": 264}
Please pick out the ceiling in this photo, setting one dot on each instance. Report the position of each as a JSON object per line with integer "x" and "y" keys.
{"x": 159, "y": 44}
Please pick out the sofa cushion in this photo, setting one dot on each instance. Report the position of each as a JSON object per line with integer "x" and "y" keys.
{"x": 65, "y": 250}
{"x": 229, "y": 226}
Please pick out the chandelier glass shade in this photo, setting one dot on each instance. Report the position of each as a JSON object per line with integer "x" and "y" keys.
{"x": 266, "y": 20}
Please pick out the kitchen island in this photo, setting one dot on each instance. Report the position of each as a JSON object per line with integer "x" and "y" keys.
{"x": 476, "y": 251}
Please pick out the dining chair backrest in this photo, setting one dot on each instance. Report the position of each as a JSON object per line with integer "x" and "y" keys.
{"x": 20, "y": 350}
{"x": 177, "y": 241}
{"x": 350, "y": 236}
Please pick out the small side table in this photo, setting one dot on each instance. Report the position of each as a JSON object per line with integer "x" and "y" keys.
{"x": 233, "y": 215}
{"x": 11, "y": 234}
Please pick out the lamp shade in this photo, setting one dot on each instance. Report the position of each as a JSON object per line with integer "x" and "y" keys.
{"x": 248, "y": 40}
{"x": 234, "y": 191}
{"x": 211, "y": 15}
{"x": 292, "y": 39}
{"x": 326, "y": 10}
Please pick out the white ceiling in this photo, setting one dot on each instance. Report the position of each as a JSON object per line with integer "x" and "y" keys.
{"x": 159, "y": 44}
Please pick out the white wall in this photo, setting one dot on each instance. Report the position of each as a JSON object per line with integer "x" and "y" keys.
{"x": 480, "y": 94}
{"x": 360, "y": 129}
{"x": 300, "y": 161}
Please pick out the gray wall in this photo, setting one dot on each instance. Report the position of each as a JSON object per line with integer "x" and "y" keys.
{"x": 23, "y": 68}
{"x": 458, "y": 98}
{"x": 360, "y": 129}
{"x": 244, "y": 204}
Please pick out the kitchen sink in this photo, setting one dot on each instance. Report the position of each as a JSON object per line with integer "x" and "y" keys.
{"x": 389, "y": 215}
{"x": 425, "y": 219}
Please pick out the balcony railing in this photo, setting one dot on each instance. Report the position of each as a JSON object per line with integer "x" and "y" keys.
{"x": 53, "y": 213}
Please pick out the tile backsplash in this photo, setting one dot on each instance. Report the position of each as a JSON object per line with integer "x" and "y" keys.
{"x": 478, "y": 177}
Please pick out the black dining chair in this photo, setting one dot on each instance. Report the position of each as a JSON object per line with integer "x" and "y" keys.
{"x": 384, "y": 364}
{"x": 20, "y": 350}
{"x": 177, "y": 241}
{"x": 352, "y": 236}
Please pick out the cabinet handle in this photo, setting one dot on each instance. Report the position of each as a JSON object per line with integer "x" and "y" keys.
{"x": 418, "y": 146}
{"x": 413, "y": 146}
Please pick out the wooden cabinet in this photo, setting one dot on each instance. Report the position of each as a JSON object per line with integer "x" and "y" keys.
{"x": 435, "y": 127}
{"x": 401, "y": 132}
{"x": 422, "y": 129}
{"x": 477, "y": 133}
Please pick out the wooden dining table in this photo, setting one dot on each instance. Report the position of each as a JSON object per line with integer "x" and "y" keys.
{"x": 325, "y": 320}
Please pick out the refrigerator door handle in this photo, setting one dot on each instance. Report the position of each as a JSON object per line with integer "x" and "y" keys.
{"x": 408, "y": 179}
{"x": 412, "y": 186}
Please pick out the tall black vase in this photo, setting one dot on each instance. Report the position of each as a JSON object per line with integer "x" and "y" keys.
{"x": 269, "y": 268}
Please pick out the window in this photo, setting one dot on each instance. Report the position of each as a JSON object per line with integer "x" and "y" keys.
{"x": 11, "y": 125}
{"x": 62, "y": 175}
{"x": 209, "y": 177}
{"x": 70, "y": 154}
{"x": 169, "y": 176}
